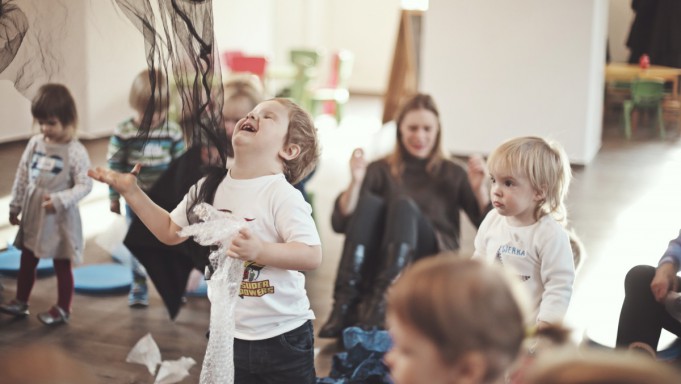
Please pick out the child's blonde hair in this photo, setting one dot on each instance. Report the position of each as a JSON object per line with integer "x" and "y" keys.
{"x": 302, "y": 132}
{"x": 149, "y": 87}
{"x": 461, "y": 306}
{"x": 247, "y": 87}
{"x": 545, "y": 165}
{"x": 55, "y": 101}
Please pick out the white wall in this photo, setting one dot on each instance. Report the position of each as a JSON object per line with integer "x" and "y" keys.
{"x": 298, "y": 24}
{"x": 244, "y": 25}
{"x": 50, "y": 52}
{"x": 369, "y": 29}
{"x": 114, "y": 55}
{"x": 530, "y": 67}
{"x": 89, "y": 47}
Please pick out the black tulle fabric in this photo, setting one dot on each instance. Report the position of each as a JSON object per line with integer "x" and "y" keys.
{"x": 178, "y": 40}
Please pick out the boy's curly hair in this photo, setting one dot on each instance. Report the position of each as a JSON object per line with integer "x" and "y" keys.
{"x": 302, "y": 132}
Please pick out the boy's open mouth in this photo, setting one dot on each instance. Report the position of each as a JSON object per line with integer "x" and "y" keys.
{"x": 248, "y": 127}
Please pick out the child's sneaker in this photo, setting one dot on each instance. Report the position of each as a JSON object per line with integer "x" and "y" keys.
{"x": 15, "y": 308}
{"x": 139, "y": 295}
{"x": 55, "y": 315}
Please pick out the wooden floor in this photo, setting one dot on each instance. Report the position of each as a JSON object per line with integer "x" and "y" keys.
{"x": 623, "y": 205}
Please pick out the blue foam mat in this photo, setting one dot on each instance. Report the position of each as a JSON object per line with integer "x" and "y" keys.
{"x": 102, "y": 278}
{"x": 11, "y": 258}
{"x": 200, "y": 291}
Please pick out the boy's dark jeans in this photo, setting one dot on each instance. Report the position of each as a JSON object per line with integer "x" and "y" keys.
{"x": 287, "y": 358}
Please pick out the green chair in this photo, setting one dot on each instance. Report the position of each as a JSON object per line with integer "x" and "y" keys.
{"x": 335, "y": 94}
{"x": 306, "y": 62}
{"x": 645, "y": 93}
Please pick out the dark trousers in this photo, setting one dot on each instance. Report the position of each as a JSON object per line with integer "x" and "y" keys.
{"x": 643, "y": 318}
{"x": 287, "y": 358}
{"x": 139, "y": 273}
{"x": 377, "y": 223}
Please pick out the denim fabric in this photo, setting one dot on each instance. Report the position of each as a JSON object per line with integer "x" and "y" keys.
{"x": 362, "y": 362}
{"x": 286, "y": 359}
{"x": 139, "y": 273}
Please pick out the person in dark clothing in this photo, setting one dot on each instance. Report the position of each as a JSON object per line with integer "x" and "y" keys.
{"x": 169, "y": 266}
{"x": 641, "y": 32}
{"x": 398, "y": 209}
{"x": 644, "y": 313}
{"x": 656, "y": 32}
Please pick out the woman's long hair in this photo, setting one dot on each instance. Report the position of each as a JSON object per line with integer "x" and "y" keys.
{"x": 436, "y": 157}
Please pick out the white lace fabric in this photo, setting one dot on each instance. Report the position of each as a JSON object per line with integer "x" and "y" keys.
{"x": 219, "y": 228}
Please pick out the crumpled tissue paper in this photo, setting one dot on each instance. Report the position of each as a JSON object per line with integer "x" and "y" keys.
{"x": 173, "y": 371}
{"x": 145, "y": 352}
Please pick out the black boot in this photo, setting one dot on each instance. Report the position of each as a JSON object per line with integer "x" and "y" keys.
{"x": 346, "y": 292}
{"x": 372, "y": 310}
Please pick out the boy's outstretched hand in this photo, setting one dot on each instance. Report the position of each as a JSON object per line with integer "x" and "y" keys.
{"x": 121, "y": 182}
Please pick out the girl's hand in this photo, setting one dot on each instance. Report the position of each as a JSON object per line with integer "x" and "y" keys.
{"x": 664, "y": 281}
{"x": 121, "y": 182}
{"x": 47, "y": 204}
{"x": 358, "y": 165}
{"x": 14, "y": 219}
{"x": 245, "y": 246}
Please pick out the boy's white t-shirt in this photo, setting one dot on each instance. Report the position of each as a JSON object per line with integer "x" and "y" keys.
{"x": 272, "y": 300}
{"x": 541, "y": 256}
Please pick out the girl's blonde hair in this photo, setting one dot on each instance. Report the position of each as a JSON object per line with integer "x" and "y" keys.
{"x": 543, "y": 163}
{"x": 461, "y": 306}
{"x": 149, "y": 87}
{"x": 436, "y": 156}
{"x": 55, "y": 100}
{"x": 302, "y": 132}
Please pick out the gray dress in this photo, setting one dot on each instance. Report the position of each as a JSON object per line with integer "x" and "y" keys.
{"x": 60, "y": 171}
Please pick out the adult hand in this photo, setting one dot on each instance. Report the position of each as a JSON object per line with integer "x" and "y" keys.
{"x": 477, "y": 178}
{"x": 664, "y": 281}
{"x": 358, "y": 169}
{"x": 358, "y": 166}
{"x": 477, "y": 172}
{"x": 14, "y": 219}
{"x": 48, "y": 205}
{"x": 120, "y": 182}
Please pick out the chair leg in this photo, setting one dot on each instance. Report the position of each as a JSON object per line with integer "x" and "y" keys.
{"x": 339, "y": 111}
{"x": 660, "y": 121}
{"x": 627, "y": 106}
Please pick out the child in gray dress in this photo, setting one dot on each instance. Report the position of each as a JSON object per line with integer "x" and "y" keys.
{"x": 50, "y": 181}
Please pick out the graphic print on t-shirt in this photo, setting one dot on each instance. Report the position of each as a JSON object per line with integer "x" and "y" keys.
{"x": 46, "y": 165}
{"x": 250, "y": 285}
{"x": 510, "y": 251}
